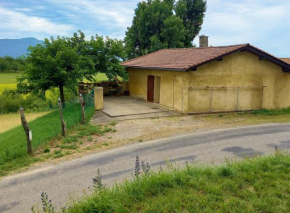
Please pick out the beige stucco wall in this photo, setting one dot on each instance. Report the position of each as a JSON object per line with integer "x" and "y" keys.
{"x": 239, "y": 70}
{"x": 235, "y": 70}
{"x": 171, "y": 84}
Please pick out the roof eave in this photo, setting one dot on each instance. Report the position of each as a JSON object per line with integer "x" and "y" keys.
{"x": 285, "y": 66}
{"x": 157, "y": 68}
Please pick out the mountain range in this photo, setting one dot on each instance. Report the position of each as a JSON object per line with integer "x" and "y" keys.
{"x": 16, "y": 47}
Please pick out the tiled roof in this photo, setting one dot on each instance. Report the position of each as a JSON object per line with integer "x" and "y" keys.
{"x": 186, "y": 58}
{"x": 287, "y": 60}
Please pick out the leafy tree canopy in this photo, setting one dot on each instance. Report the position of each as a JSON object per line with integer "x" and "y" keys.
{"x": 64, "y": 61}
{"x": 159, "y": 24}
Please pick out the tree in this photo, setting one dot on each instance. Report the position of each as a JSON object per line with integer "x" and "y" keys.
{"x": 55, "y": 63}
{"x": 107, "y": 55}
{"x": 173, "y": 33}
{"x": 3, "y": 65}
{"x": 63, "y": 62}
{"x": 159, "y": 24}
{"x": 192, "y": 14}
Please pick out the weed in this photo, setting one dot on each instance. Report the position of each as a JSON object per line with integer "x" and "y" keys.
{"x": 105, "y": 144}
{"x": 113, "y": 123}
{"x": 283, "y": 111}
{"x": 90, "y": 138}
{"x": 107, "y": 129}
{"x": 46, "y": 203}
{"x": 46, "y": 150}
{"x": 58, "y": 154}
{"x": 225, "y": 171}
{"x": 137, "y": 167}
{"x": 145, "y": 168}
{"x": 140, "y": 140}
{"x": 70, "y": 139}
{"x": 220, "y": 115}
{"x": 57, "y": 151}
{"x": 69, "y": 146}
{"x": 97, "y": 181}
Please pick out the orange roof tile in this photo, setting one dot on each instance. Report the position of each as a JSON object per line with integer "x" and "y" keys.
{"x": 183, "y": 59}
{"x": 287, "y": 60}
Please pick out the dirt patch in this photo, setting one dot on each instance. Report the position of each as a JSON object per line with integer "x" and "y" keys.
{"x": 12, "y": 120}
{"x": 149, "y": 129}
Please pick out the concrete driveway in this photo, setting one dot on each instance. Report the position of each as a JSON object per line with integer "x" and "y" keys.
{"x": 127, "y": 108}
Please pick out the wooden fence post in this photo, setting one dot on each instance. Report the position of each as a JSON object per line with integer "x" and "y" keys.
{"x": 83, "y": 109}
{"x": 63, "y": 129}
{"x": 27, "y": 131}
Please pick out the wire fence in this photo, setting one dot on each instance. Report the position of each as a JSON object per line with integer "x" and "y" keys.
{"x": 43, "y": 126}
{"x": 73, "y": 106}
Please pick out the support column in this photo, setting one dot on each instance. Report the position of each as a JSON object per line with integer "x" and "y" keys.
{"x": 99, "y": 98}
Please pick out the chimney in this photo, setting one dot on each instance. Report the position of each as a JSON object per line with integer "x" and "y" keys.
{"x": 203, "y": 41}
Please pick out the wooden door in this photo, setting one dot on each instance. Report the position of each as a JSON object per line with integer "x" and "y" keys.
{"x": 150, "y": 88}
{"x": 157, "y": 81}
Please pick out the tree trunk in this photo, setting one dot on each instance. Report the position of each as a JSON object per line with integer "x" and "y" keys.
{"x": 61, "y": 93}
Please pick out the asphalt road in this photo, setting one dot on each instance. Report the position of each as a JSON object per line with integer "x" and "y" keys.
{"x": 69, "y": 179}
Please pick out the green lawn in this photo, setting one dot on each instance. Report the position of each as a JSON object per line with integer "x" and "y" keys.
{"x": 13, "y": 142}
{"x": 254, "y": 185}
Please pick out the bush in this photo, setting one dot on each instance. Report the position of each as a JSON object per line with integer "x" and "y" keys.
{"x": 10, "y": 101}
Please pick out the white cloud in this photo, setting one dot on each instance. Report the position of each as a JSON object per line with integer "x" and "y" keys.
{"x": 18, "y": 25}
{"x": 263, "y": 23}
{"x": 99, "y": 16}
{"x": 258, "y": 22}
{"x": 23, "y": 9}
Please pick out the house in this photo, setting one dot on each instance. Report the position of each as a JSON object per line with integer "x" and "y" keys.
{"x": 211, "y": 79}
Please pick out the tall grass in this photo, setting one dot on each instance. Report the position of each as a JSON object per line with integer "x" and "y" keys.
{"x": 253, "y": 185}
{"x": 44, "y": 129}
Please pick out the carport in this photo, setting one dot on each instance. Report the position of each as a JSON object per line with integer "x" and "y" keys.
{"x": 127, "y": 108}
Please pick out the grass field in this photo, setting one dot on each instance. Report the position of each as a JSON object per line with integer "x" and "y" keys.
{"x": 253, "y": 185}
{"x": 10, "y": 121}
{"x": 13, "y": 142}
{"x": 8, "y": 80}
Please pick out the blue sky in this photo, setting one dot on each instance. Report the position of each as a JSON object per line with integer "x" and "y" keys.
{"x": 263, "y": 23}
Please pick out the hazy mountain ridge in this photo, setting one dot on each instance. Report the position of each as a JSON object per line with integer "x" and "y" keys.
{"x": 16, "y": 47}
